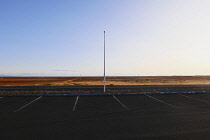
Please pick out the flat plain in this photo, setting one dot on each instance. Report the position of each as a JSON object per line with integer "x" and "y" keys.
{"x": 85, "y": 81}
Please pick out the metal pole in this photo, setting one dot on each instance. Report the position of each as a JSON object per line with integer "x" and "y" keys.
{"x": 104, "y": 66}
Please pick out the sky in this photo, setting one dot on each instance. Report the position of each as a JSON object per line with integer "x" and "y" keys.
{"x": 143, "y": 37}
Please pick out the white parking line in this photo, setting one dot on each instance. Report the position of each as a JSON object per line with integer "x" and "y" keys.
{"x": 120, "y": 102}
{"x": 75, "y": 104}
{"x": 194, "y": 98}
{"x": 28, "y": 104}
{"x": 161, "y": 101}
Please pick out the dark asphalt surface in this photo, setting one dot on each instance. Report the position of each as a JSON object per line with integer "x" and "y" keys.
{"x": 152, "y": 117}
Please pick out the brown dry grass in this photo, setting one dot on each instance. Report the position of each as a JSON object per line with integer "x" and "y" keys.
{"x": 69, "y": 81}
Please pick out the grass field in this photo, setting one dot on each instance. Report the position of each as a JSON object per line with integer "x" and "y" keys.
{"x": 80, "y": 81}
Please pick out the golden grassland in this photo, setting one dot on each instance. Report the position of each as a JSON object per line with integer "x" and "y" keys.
{"x": 82, "y": 81}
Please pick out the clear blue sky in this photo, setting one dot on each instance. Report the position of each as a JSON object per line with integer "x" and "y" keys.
{"x": 65, "y": 37}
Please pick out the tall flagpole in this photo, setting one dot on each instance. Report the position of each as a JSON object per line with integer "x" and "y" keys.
{"x": 104, "y": 66}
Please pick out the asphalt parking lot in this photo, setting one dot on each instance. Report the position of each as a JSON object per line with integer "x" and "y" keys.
{"x": 174, "y": 116}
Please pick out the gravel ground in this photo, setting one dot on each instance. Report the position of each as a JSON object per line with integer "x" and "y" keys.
{"x": 88, "y": 90}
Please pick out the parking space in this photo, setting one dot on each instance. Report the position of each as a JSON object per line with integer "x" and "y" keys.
{"x": 9, "y": 104}
{"x": 97, "y": 106}
{"x": 146, "y": 106}
{"x": 183, "y": 102}
{"x": 204, "y": 97}
{"x": 105, "y": 117}
{"x": 49, "y": 105}
{"x": 47, "y": 109}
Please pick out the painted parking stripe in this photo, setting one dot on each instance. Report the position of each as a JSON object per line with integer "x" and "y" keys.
{"x": 160, "y": 101}
{"x": 28, "y": 104}
{"x": 120, "y": 102}
{"x": 194, "y": 98}
{"x": 75, "y": 104}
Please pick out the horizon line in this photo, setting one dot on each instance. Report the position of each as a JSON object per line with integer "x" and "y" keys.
{"x": 111, "y": 76}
